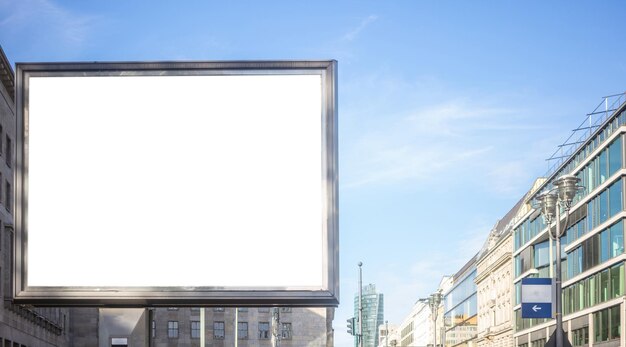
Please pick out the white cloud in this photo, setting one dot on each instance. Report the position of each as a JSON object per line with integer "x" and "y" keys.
{"x": 354, "y": 33}
{"x": 45, "y": 22}
{"x": 421, "y": 144}
{"x": 389, "y": 163}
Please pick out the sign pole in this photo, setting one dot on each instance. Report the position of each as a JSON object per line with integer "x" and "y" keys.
{"x": 557, "y": 278}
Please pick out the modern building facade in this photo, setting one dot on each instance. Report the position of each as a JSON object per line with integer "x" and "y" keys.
{"x": 593, "y": 244}
{"x": 460, "y": 307}
{"x": 373, "y": 314}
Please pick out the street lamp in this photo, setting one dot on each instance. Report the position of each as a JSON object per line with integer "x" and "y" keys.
{"x": 360, "y": 333}
{"x": 433, "y": 301}
{"x": 550, "y": 204}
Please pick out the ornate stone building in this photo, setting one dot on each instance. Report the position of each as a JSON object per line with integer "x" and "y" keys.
{"x": 494, "y": 277}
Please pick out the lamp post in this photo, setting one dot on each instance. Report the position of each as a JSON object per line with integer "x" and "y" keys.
{"x": 433, "y": 301}
{"x": 360, "y": 333}
{"x": 550, "y": 204}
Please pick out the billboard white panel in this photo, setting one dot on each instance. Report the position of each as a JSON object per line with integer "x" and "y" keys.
{"x": 207, "y": 183}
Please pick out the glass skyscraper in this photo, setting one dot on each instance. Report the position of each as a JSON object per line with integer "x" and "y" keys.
{"x": 373, "y": 314}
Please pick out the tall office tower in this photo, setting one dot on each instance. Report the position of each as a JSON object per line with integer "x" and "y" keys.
{"x": 373, "y": 314}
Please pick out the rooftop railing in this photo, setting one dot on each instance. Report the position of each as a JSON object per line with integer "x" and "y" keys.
{"x": 585, "y": 130}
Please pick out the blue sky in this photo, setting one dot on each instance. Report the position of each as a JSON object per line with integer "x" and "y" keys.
{"x": 447, "y": 109}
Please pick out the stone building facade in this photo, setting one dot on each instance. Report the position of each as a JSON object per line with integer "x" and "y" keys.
{"x": 301, "y": 327}
{"x": 20, "y": 326}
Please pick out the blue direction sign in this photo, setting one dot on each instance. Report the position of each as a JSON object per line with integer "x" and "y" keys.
{"x": 536, "y": 298}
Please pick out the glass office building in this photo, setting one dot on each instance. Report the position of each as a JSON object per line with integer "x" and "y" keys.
{"x": 461, "y": 310}
{"x": 373, "y": 314}
{"x": 592, "y": 246}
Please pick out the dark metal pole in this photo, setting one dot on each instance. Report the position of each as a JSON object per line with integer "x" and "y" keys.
{"x": 360, "y": 335}
{"x": 559, "y": 315}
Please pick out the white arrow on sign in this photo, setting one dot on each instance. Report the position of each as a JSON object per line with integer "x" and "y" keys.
{"x": 536, "y": 308}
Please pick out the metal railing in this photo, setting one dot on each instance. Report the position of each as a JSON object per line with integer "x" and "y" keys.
{"x": 585, "y": 130}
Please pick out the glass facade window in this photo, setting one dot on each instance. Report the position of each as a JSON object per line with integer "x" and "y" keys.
{"x": 461, "y": 310}
{"x": 615, "y": 155}
{"x": 595, "y": 289}
{"x": 542, "y": 254}
{"x": 538, "y": 343}
{"x": 580, "y": 337}
{"x": 525, "y": 323}
{"x": 576, "y": 230}
{"x": 607, "y": 324}
{"x": 524, "y": 261}
{"x": 601, "y": 167}
{"x": 527, "y": 230}
{"x": 605, "y": 205}
{"x": 597, "y": 249}
{"x": 464, "y": 289}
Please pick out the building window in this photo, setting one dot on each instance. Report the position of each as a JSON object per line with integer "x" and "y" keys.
{"x": 242, "y": 330}
{"x": 595, "y": 250}
{"x": 172, "y": 308}
{"x": 285, "y": 309}
{"x": 242, "y": 309}
{"x": 7, "y": 196}
{"x": 7, "y": 151}
{"x": 580, "y": 337}
{"x": 172, "y": 329}
{"x": 195, "y": 329}
{"x": 285, "y": 331}
{"x": 606, "y": 324}
{"x": 195, "y": 309}
{"x": 538, "y": 343}
{"x": 264, "y": 330}
{"x": 218, "y": 330}
{"x": 153, "y": 329}
{"x": 218, "y": 309}
{"x": 605, "y": 205}
{"x": 264, "y": 309}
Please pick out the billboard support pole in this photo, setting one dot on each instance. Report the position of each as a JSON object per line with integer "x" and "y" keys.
{"x": 202, "y": 327}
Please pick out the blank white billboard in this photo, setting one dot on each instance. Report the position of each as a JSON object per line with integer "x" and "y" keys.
{"x": 177, "y": 184}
